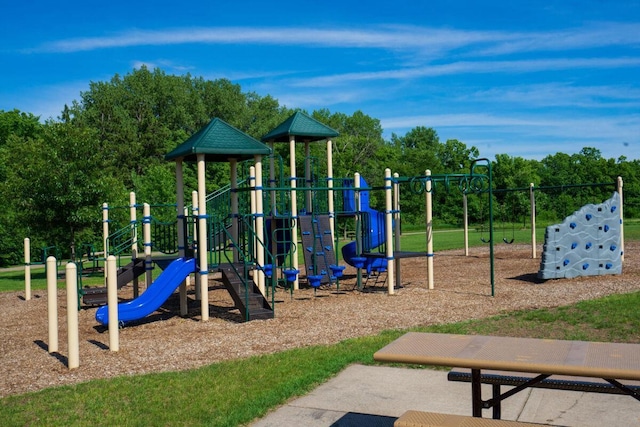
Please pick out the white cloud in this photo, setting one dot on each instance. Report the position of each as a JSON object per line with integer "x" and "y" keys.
{"x": 474, "y": 67}
{"x": 391, "y": 37}
{"x": 557, "y": 94}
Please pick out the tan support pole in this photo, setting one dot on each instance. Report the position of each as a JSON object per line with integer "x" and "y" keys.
{"x": 52, "y": 303}
{"x": 253, "y": 203}
{"x": 259, "y": 224}
{"x": 72, "y": 316}
{"x": 112, "y": 304}
{"x": 332, "y": 213}
{"x": 294, "y": 207}
{"x": 429, "y": 220}
{"x": 196, "y": 252}
{"x": 388, "y": 226}
{"x": 105, "y": 230}
{"x": 148, "y": 264}
{"x": 134, "y": 238}
{"x": 105, "y": 238}
{"x": 202, "y": 238}
{"x": 27, "y": 269}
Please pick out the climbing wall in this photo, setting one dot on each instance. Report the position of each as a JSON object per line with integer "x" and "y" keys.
{"x": 586, "y": 243}
{"x": 318, "y": 246}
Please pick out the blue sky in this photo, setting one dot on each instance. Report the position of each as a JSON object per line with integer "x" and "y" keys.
{"x": 523, "y": 78}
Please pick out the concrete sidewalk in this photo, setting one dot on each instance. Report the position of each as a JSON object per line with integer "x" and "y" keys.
{"x": 377, "y": 395}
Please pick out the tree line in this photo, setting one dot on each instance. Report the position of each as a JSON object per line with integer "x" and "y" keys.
{"x": 55, "y": 175}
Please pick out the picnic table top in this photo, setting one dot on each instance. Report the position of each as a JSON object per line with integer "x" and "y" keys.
{"x": 544, "y": 356}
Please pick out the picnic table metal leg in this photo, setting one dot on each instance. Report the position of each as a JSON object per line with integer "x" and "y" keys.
{"x": 476, "y": 393}
{"x": 497, "y": 405}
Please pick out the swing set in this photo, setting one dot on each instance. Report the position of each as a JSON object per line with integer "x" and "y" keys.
{"x": 504, "y": 221}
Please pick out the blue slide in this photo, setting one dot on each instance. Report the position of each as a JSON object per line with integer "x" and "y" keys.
{"x": 154, "y": 296}
{"x": 375, "y": 236}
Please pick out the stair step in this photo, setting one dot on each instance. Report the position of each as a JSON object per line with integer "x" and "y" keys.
{"x": 258, "y": 307}
{"x": 260, "y": 314}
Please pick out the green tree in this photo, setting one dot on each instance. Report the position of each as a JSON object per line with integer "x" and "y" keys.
{"x": 14, "y": 124}
{"x": 61, "y": 184}
{"x": 455, "y": 156}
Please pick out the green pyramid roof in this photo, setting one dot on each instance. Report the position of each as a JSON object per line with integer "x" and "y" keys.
{"x": 300, "y": 125}
{"x": 219, "y": 141}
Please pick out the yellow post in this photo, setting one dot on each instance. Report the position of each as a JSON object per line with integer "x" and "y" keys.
{"x": 112, "y": 304}
{"x": 429, "y": 220}
{"x": 105, "y": 237}
{"x": 294, "y": 207}
{"x": 146, "y": 231}
{"x": 388, "y": 225}
{"x": 196, "y": 212}
{"x": 134, "y": 238}
{"x": 52, "y": 303}
{"x": 259, "y": 225}
{"x": 72, "y": 316}
{"x": 27, "y": 269}
{"x": 332, "y": 214}
{"x": 202, "y": 238}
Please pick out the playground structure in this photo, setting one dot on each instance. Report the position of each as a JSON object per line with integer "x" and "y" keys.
{"x": 257, "y": 251}
{"x": 253, "y": 234}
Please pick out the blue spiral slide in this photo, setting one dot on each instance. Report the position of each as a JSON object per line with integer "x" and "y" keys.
{"x": 375, "y": 234}
{"x": 155, "y": 295}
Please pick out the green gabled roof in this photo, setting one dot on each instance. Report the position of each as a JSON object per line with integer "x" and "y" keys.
{"x": 303, "y": 126}
{"x": 219, "y": 141}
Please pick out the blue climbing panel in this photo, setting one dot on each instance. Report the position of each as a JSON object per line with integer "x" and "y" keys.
{"x": 317, "y": 244}
{"x": 586, "y": 243}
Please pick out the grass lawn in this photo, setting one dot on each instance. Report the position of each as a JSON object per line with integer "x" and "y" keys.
{"x": 237, "y": 391}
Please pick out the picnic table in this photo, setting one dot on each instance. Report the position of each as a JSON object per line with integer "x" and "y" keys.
{"x": 617, "y": 364}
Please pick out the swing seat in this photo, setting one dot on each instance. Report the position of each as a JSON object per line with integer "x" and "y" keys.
{"x": 508, "y": 242}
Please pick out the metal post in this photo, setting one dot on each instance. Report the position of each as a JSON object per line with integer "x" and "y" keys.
{"x": 620, "y": 185}
{"x": 532, "y": 198}
{"x": 182, "y": 227}
{"x": 465, "y": 220}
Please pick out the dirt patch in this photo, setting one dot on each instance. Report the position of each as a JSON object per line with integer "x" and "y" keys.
{"x": 167, "y": 342}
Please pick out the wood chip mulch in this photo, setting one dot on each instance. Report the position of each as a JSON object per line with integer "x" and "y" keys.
{"x": 167, "y": 342}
